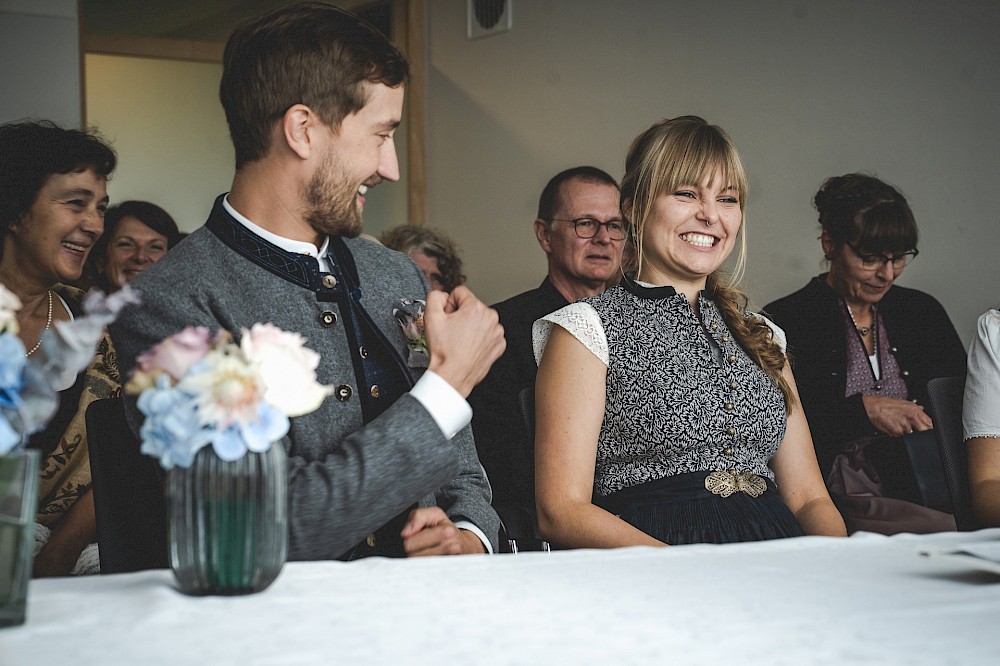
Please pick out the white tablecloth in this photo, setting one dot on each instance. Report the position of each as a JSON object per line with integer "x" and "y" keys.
{"x": 812, "y": 600}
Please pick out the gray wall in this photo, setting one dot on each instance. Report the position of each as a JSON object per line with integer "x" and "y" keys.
{"x": 39, "y": 61}
{"x": 906, "y": 89}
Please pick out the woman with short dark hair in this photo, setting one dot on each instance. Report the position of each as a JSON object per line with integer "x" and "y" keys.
{"x": 864, "y": 349}
{"x": 136, "y": 235}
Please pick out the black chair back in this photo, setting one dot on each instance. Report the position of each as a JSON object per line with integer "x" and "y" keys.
{"x": 924, "y": 453}
{"x": 128, "y": 493}
{"x": 518, "y": 524}
{"x": 944, "y": 403}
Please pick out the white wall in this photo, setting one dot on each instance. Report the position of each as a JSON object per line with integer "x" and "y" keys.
{"x": 166, "y": 122}
{"x": 39, "y": 61}
{"x": 164, "y": 119}
{"x": 906, "y": 89}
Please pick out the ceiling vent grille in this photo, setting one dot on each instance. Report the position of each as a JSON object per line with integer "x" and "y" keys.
{"x": 488, "y": 17}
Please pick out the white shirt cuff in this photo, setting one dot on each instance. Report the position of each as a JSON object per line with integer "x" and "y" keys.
{"x": 446, "y": 405}
{"x": 466, "y": 525}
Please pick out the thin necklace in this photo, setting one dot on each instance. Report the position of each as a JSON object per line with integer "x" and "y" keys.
{"x": 859, "y": 333}
{"x": 48, "y": 323}
{"x": 863, "y": 330}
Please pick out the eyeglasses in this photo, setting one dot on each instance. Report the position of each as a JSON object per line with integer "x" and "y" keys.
{"x": 874, "y": 262}
{"x": 588, "y": 227}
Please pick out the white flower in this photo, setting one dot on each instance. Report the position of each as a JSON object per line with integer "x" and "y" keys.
{"x": 68, "y": 346}
{"x": 9, "y": 305}
{"x": 227, "y": 389}
{"x": 288, "y": 368}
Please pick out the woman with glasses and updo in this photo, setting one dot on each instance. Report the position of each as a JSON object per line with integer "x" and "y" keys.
{"x": 863, "y": 350}
{"x": 666, "y": 412}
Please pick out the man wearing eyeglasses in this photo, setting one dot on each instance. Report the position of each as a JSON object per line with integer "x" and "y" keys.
{"x": 580, "y": 229}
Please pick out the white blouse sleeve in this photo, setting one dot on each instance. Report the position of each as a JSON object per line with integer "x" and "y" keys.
{"x": 981, "y": 408}
{"x": 580, "y": 319}
{"x": 779, "y": 335}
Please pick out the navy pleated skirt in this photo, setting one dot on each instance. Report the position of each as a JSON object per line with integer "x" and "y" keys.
{"x": 679, "y": 510}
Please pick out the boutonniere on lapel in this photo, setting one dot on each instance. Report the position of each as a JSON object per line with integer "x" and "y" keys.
{"x": 409, "y": 314}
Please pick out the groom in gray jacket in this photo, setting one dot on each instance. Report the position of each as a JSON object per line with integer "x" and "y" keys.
{"x": 387, "y": 464}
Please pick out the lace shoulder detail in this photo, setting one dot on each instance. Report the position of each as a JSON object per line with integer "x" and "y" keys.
{"x": 580, "y": 319}
{"x": 779, "y": 335}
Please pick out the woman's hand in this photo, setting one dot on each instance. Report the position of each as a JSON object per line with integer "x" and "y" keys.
{"x": 68, "y": 539}
{"x": 896, "y": 417}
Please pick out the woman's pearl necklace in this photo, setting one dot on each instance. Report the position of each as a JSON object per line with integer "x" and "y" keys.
{"x": 48, "y": 323}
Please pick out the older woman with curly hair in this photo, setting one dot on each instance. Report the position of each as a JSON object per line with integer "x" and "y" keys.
{"x": 53, "y": 197}
{"x": 433, "y": 252}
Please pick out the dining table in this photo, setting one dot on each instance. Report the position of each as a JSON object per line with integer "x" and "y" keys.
{"x": 867, "y": 599}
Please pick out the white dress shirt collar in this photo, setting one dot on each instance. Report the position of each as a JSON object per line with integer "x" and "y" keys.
{"x": 287, "y": 244}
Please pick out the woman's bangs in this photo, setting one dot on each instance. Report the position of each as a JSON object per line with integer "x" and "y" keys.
{"x": 886, "y": 228}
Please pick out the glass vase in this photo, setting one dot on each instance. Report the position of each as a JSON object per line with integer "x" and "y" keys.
{"x": 228, "y": 521}
{"x": 18, "y": 499}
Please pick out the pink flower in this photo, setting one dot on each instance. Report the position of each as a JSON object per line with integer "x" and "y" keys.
{"x": 287, "y": 366}
{"x": 176, "y": 354}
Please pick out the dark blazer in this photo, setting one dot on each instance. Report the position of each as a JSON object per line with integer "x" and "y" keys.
{"x": 505, "y": 448}
{"x": 346, "y": 478}
{"x": 921, "y": 337}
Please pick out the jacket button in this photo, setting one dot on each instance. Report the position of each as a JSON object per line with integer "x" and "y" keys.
{"x": 329, "y": 281}
{"x": 730, "y": 431}
{"x": 728, "y": 406}
{"x": 328, "y": 318}
{"x": 728, "y": 451}
{"x": 374, "y": 391}
{"x": 905, "y": 373}
{"x": 362, "y": 352}
{"x": 725, "y": 338}
{"x": 370, "y": 540}
{"x": 344, "y": 392}
{"x": 733, "y": 385}
{"x": 731, "y": 358}
{"x": 714, "y": 326}
{"x": 893, "y": 349}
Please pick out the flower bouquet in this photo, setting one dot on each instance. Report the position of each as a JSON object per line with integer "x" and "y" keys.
{"x": 28, "y": 399}
{"x": 228, "y": 514}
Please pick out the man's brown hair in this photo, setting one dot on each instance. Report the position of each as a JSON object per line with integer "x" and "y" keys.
{"x": 308, "y": 53}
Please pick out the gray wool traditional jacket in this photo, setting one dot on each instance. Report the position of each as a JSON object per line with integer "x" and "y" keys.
{"x": 346, "y": 479}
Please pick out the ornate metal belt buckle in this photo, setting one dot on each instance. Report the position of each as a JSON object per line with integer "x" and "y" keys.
{"x": 725, "y": 483}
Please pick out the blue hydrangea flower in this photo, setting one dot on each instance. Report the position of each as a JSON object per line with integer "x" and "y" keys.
{"x": 9, "y": 437}
{"x": 233, "y": 441}
{"x": 174, "y": 432}
{"x": 171, "y": 431}
{"x": 12, "y": 361}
